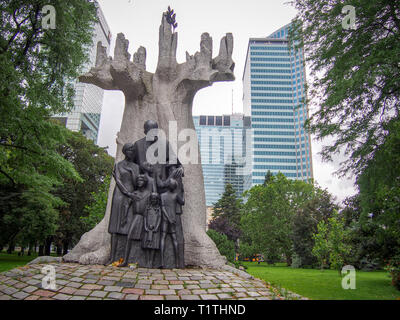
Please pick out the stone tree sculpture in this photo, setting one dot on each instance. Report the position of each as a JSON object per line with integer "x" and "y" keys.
{"x": 164, "y": 96}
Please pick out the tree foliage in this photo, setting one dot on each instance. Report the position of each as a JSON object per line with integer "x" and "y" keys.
{"x": 226, "y": 214}
{"x": 225, "y": 246}
{"x": 94, "y": 166}
{"x": 331, "y": 242}
{"x": 269, "y": 216}
{"x": 94, "y": 212}
{"x": 304, "y": 225}
{"x": 38, "y": 67}
{"x": 355, "y": 73}
{"x": 379, "y": 198}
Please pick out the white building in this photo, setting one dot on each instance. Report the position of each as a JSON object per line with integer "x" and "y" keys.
{"x": 88, "y": 100}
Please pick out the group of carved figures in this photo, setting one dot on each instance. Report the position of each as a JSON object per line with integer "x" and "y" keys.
{"x": 146, "y": 204}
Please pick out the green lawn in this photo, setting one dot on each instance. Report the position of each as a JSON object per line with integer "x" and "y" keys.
{"x": 325, "y": 284}
{"x": 11, "y": 261}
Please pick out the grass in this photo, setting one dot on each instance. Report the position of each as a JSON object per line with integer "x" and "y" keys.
{"x": 325, "y": 284}
{"x": 11, "y": 261}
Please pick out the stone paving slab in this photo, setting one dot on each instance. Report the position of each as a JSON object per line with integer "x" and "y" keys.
{"x": 80, "y": 282}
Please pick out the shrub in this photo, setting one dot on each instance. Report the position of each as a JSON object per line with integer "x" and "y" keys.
{"x": 296, "y": 262}
{"x": 225, "y": 246}
{"x": 393, "y": 267}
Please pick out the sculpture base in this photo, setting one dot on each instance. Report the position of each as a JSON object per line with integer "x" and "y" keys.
{"x": 138, "y": 255}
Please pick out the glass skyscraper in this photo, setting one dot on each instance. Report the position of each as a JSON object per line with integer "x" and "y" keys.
{"x": 273, "y": 88}
{"x": 88, "y": 100}
{"x": 223, "y": 150}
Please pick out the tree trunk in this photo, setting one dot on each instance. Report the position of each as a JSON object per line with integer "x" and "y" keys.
{"x": 65, "y": 247}
{"x": 47, "y": 245}
{"x": 30, "y": 249}
{"x": 11, "y": 248}
{"x": 288, "y": 260}
{"x": 41, "y": 250}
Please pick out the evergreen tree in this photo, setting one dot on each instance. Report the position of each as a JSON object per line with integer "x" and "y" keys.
{"x": 268, "y": 177}
{"x": 226, "y": 214}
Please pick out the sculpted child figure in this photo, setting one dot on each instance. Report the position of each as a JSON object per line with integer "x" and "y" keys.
{"x": 169, "y": 207}
{"x": 151, "y": 229}
{"x": 142, "y": 195}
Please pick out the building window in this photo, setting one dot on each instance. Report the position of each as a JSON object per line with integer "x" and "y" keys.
{"x": 227, "y": 121}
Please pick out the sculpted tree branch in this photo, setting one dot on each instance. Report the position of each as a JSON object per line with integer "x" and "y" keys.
{"x": 131, "y": 77}
{"x": 120, "y": 73}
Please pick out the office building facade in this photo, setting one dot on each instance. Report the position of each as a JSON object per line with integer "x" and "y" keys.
{"x": 273, "y": 92}
{"x": 88, "y": 99}
{"x": 223, "y": 150}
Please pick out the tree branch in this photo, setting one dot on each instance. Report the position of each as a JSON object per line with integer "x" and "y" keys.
{"x": 8, "y": 176}
{"x": 18, "y": 29}
{"x": 19, "y": 147}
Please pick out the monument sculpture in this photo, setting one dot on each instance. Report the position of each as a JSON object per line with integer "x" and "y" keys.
{"x": 163, "y": 96}
{"x": 146, "y": 206}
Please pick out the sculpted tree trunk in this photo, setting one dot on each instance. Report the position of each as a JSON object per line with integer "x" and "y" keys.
{"x": 167, "y": 95}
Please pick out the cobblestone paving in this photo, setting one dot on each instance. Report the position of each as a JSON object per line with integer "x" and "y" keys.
{"x": 79, "y": 282}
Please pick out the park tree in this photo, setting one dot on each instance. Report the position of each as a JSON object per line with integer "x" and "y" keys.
{"x": 321, "y": 247}
{"x": 268, "y": 214}
{"x": 332, "y": 242}
{"x": 247, "y": 250}
{"x": 304, "y": 225}
{"x": 352, "y": 50}
{"x": 94, "y": 166}
{"x": 226, "y": 214}
{"x": 379, "y": 196}
{"x": 38, "y": 67}
{"x": 373, "y": 213}
{"x": 365, "y": 250}
{"x": 94, "y": 212}
{"x": 353, "y": 55}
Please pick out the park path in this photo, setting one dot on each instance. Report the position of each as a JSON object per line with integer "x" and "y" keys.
{"x": 83, "y": 282}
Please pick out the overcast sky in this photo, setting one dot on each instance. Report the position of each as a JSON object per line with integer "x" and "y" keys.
{"x": 139, "y": 20}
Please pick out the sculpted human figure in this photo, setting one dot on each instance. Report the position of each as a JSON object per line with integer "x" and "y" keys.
{"x": 124, "y": 173}
{"x": 142, "y": 195}
{"x": 158, "y": 171}
{"x": 151, "y": 229}
{"x": 169, "y": 203}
